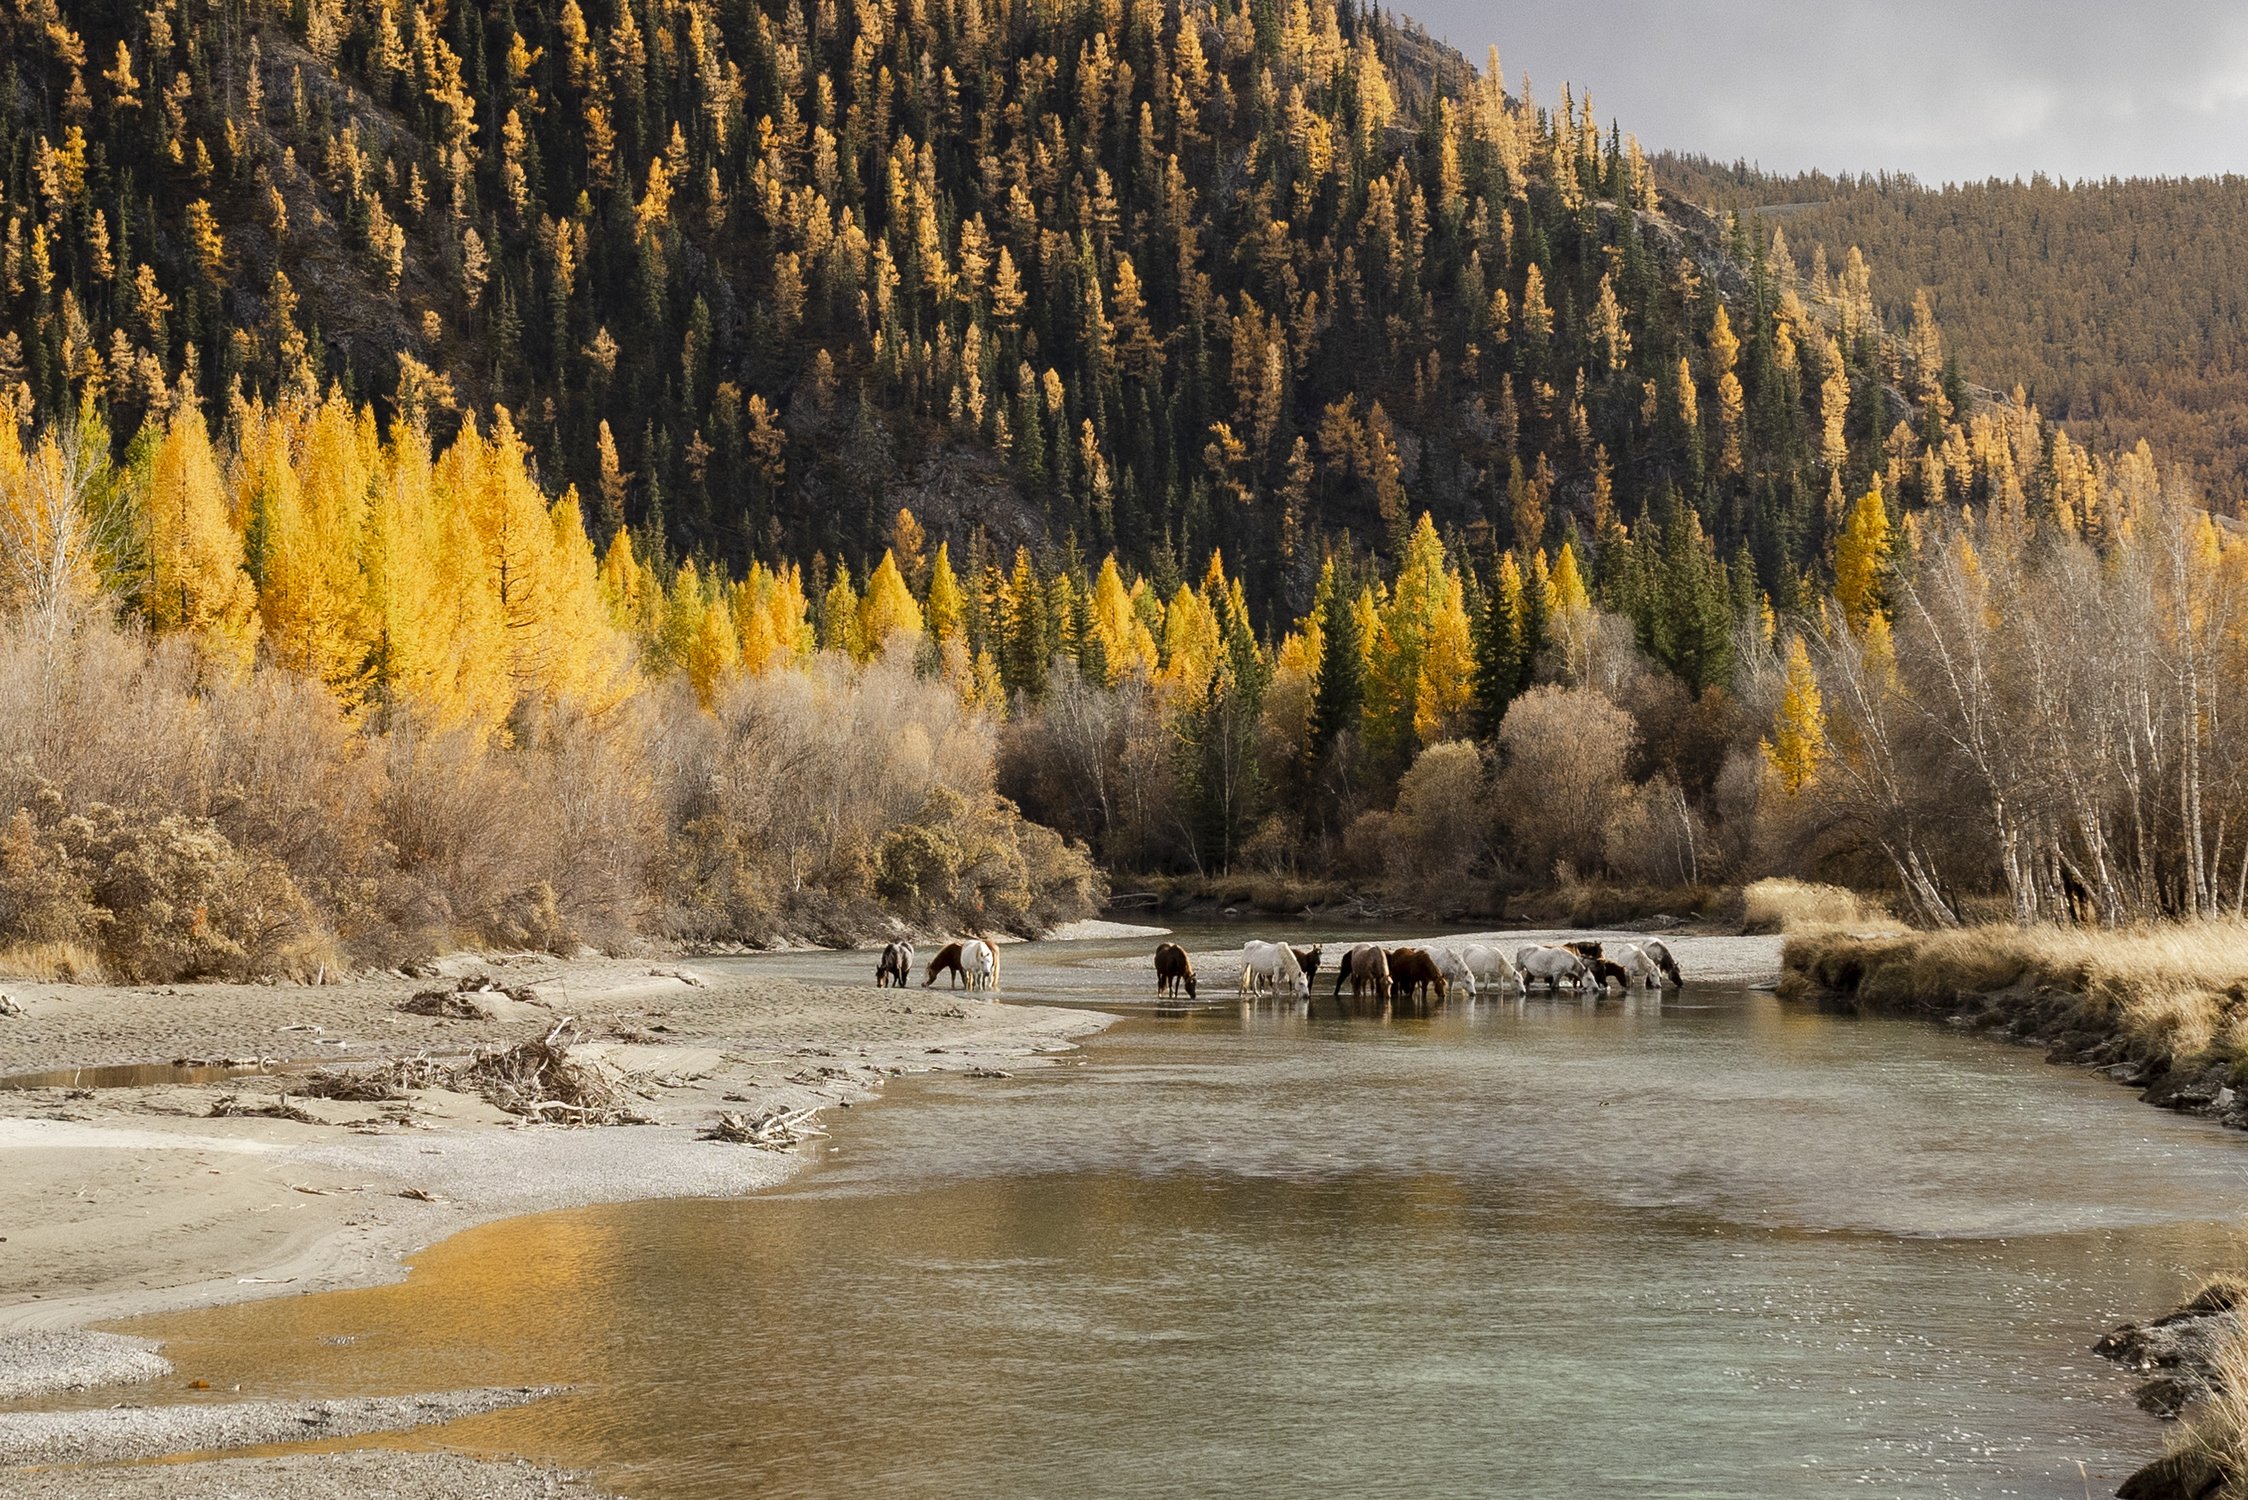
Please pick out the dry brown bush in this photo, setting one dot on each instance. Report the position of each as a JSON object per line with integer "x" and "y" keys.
{"x": 1565, "y": 751}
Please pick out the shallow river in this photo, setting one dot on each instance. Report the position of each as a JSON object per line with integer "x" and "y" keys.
{"x": 1711, "y": 1246}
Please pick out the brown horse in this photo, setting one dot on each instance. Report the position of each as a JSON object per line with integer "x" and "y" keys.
{"x": 896, "y": 966}
{"x": 1414, "y": 969}
{"x": 1172, "y": 969}
{"x": 948, "y": 958}
{"x": 1364, "y": 965}
{"x": 1307, "y": 959}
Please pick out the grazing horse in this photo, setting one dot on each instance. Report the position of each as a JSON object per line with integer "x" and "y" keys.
{"x": 1488, "y": 963}
{"x": 1659, "y": 952}
{"x": 1307, "y": 959}
{"x": 1270, "y": 965}
{"x": 1172, "y": 969}
{"x": 1413, "y": 973}
{"x": 1602, "y": 970}
{"x": 947, "y": 959}
{"x": 980, "y": 962}
{"x": 1365, "y": 966}
{"x": 1455, "y": 968}
{"x": 1552, "y": 965}
{"x": 896, "y": 966}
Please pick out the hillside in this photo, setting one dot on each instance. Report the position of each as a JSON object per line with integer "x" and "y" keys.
{"x": 2120, "y": 307}
{"x": 751, "y": 279}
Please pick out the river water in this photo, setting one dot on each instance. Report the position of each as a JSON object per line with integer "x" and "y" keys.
{"x": 1704, "y": 1246}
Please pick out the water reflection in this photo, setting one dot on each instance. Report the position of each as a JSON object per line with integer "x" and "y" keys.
{"x": 1532, "y": 1249}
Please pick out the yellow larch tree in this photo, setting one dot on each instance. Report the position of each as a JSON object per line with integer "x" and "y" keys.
{"x": 196, "y": 582}
{"x": 1861, "y": 553}
{"x": 947, "y": 611}
{"x": 437, "y": 653}
{"x": 888, "y": 612}
{"x": 1799, "y": 728}
{"x": 315, "y": 473}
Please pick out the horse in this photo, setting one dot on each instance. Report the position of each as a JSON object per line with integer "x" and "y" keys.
{"x": 1455, "y": 968}
{"x": 1411, "y": 970}
{"x": 1268, "y": 965}
{"x": 896, "y": 966}
{"x": 1552, "y": 965}
{"x": 1364, "y": 966}
{"x": 947, "y": 959}
{"x": 1659, "y": 951}
{"x": 1307, "y": 959}
{"x": 1602, "y": 970}
{"x": 1587, "y": 949}
{"x": 1172, "y": 969}
{"x": 979, "y": 961}
{"x": 1488, "y": 963}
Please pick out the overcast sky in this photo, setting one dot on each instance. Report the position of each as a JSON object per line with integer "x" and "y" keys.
{"x": 1946, "y": 89}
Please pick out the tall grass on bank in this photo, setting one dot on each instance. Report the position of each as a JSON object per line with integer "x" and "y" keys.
{"x": 2209, "y": 1457}
{"x": 1792, "y": 906}
{"x": 2177, "y": 993}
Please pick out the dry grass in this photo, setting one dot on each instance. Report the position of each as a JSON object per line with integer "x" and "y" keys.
{"x": 55, "y": 963}
{"x": 1792, "y": 906}
{"x": 2214, "y": 1444}
{"x": 2178, "y": 992}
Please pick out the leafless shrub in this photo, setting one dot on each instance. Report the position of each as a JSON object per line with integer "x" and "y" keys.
{"x": 1565, "y": 750}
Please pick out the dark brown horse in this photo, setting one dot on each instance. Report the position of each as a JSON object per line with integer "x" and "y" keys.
{"x": 1307, "y": 959}
{"x": 947, "y": 959}
{"x": 896, "y": 966}
{"x": 1172, "y": 969}
{"x": 1414, "y": 970}
{"x": 1603, "y": 970}
{"x": 1364, "y": 966}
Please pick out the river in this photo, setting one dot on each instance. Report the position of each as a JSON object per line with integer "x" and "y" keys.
{"x": 1706, "y": 1245}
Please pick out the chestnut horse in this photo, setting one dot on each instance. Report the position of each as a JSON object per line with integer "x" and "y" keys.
{"x": 1173, "y": 969}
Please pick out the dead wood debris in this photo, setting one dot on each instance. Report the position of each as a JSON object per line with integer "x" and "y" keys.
{"x": 235, "y": 1107}
{"x": 774, "y": 1130}
{"x": 383, "y": 1084}
{"x": 540, "y": 1080}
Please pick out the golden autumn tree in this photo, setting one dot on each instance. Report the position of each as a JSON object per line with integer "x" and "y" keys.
{"x": 196, "y": 582}
{"x": 1861, "y": 555}
{"x": 888, "y": 612}
{"x": 437, "y": 650}
{"x": 314, "y": 475}
{"x": 1798, "y": 735}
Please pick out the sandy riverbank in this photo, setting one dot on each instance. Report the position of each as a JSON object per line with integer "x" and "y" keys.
{"x": 125, "y": 1200}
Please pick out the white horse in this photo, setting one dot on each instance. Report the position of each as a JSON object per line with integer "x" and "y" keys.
{"x": 981, "y": 964}
{"x": 1489, "y": 964}
{"x": 1266, "y": 966}
{"x": 1453, "y": 967}
{"x": 1550, "y": 964}
{"x": 1635, "y": 961}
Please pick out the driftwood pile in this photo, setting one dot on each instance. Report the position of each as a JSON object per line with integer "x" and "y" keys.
{"x": 775, "y": 1130}
{"x": 455, "y": 1004}
{"x": 235, "y": 1107}
{"x": 383, "y": 1084}
{"x": 540, "y": 1080}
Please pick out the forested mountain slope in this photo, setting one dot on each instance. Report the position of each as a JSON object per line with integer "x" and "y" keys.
{"x": 2121, "y": 307}
{"x": 751, "y": 276}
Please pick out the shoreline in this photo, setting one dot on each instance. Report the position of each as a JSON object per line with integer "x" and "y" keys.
{"x": 132, "y": 1200}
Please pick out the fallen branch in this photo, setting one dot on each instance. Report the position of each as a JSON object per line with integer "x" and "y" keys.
{"x": 775, "y": 1130}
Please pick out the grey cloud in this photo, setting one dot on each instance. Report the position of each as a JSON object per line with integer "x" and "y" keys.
{"x": 1946, "y": 89}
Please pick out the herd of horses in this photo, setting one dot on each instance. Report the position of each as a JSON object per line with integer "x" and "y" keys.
{"x": 1409, "y": 974}
{"x": 1420, "y": 974}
